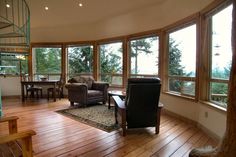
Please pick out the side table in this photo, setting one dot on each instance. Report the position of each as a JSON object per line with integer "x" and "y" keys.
{"x": 111, "y": 93}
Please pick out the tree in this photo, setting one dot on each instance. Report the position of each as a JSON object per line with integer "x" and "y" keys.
{"x": 110, "y": 62}
{"x": 175, "y": 68}
{"x": 80, "y": 60}
{"x": 140, "y": 46}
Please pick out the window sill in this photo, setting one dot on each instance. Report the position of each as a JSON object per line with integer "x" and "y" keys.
{"x": 214, "y": 106}
{"x": 180, "y": 96}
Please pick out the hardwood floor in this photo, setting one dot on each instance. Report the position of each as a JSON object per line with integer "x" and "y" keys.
{"x": 58, "y": 135}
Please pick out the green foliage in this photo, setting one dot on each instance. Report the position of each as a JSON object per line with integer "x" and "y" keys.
{"x": 80, "y": 60}
{"x": 110, "y": 62}
{"x": 48, "y": 60}
{"x": 140, "y": 46}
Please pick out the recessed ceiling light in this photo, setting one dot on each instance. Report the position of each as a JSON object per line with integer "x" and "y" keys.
{"x": 80, "y": 4}
{"x": 46, "y": 8}
{"x": 8, "y": 5}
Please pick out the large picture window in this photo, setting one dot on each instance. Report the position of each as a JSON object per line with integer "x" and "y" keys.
{"x": 221, "y": 55}
{"x": 13, "y": 64}
{"x": 144, "y": 57}
{"x": 46, "y": 62}
{"x": 182, "y": 61}
{"x": 80, "y": 60}
{"x": 111, "y": 63}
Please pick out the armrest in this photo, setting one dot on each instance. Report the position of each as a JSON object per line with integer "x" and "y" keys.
{"x": 119, "y": 102}
{"x": 76, "y": 86}
{"x": 100, "y": 86}
{"x": 7, "y": 119}
{"x": 12, "y": 123}
{"x": 16, "y": 136}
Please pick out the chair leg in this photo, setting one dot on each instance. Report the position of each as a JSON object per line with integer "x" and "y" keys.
{"x": 71, "y": 103}
{"x": 41, "y": 93}
{"x": 123, "y": 121}
{"x": 48, "y": 94}
{"x": 37, "y": 93}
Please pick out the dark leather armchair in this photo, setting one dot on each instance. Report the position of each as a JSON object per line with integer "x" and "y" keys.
{"x": 84, "y": 90}
{"x": 141, "y": 106}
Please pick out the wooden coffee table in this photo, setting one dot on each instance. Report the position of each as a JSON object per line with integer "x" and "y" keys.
{"x": 111, "y": 93}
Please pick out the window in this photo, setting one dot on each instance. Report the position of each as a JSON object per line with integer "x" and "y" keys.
{"x": 13, "y": 64}
{"x": 46, "y": 62}
{"x": 182, "y": 61}
{"x": 144, "y": 57}
{"x": 221, "y": 55}
{"x": 111, "y": 63}
{"x": 80, "y": 60}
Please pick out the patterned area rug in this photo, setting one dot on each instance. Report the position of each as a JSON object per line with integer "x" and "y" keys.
{"x": 98, "y": 116}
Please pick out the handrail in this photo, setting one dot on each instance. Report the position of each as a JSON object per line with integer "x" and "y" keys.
{"x": 17, "y": 19}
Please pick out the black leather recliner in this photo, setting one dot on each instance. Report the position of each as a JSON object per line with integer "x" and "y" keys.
{"x": 141, "y": 107}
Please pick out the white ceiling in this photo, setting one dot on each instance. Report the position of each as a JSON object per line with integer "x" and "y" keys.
{"x": 68, "y": 12}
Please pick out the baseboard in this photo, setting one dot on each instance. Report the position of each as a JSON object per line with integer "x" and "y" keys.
{"x": 194, "y": 123}
{"x": 11, "y": 97}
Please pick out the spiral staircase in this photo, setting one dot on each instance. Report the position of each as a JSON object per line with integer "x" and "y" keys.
{"x": 14, "y": 26}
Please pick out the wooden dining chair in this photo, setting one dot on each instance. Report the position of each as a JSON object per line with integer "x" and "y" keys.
{"x": 32, "y": 89}
{"x": 59, "y": 89}
{"x": 16, "y": 144}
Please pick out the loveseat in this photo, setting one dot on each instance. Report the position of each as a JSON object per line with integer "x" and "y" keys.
{"x": 85, "y": 90}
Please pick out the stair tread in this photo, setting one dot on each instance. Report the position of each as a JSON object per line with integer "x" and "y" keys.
{"x": 11, "y": 35}
{"x": 5, "y": 24}
{"x": 13, "y": 44}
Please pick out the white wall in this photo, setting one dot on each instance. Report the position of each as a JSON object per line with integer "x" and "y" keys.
{"x": 215, "y": 121}
{"x": 10, "y": 86}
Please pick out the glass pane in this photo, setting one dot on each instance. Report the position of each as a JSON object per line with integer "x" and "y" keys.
{"x": 221, "y": 44}
{"x": 80, "y": 60}
{"x": 144, "y": 56}
{"x": 219, "y": 93}
{"x": 182, "y": 52}
{"x": 111, "y": 61}
{"x": 13, "y": 64}
{"x": 46, "y": 61}
{"x": 182, "y": 87}
{"x": 113, "y": 80}
{"x": 188, "y": 88}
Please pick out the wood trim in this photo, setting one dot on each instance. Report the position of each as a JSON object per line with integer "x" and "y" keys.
{"x": 125, "y": 63}
{"x": 144, "y": 34}
{"x": 214, "y": 7}
{"x": 110, "y": 40}
{"x": 182, "y": 23}
{"x": 96, "y": 62}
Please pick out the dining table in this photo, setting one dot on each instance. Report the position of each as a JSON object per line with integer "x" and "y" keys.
{"x": 38, "y": 83}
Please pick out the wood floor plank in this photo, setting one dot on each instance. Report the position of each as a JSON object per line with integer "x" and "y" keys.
{"x": 58, "y": 135}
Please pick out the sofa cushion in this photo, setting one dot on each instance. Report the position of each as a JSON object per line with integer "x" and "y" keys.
{"x": 88, "y": 80}
{"x": 94, "y": 93}
{"x": 83, "y": 79}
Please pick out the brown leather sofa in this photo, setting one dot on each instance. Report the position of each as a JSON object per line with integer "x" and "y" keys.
{"x": 85, "y": 90}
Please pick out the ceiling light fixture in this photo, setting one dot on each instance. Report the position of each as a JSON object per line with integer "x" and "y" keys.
{"x": 46, "y": 8}
{"x": 80, "y": 4}
{"x": 8, "y": 5}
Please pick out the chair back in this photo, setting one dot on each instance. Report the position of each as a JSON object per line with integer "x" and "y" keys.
{"x": 142, "y": 102}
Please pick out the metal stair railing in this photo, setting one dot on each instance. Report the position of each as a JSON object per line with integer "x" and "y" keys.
{"x": 14, "y": 25}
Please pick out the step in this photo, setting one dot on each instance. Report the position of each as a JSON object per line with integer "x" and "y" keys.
{"x": 5, "y": 24}
{"x": 14, "y": 49}
{"x": 14, "y": 44}
{"x": 11, "y": 35}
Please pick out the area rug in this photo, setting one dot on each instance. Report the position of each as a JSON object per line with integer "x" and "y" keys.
{"x": 98, "y": 116}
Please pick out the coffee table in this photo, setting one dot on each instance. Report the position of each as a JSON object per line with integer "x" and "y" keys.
{"x": 111, "y": 93}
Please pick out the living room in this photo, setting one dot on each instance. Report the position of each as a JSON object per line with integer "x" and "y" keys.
{"x": 192, "y": 89}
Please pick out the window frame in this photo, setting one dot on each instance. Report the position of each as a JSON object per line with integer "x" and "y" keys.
{"x": 138, "y": 37}
{"x": 188, "y": 21}
{"x": 98, "y": 67}
{"x": 67, "y": 58}
{"x": 205, "y": 91}
{"x": 46, "y": 45}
